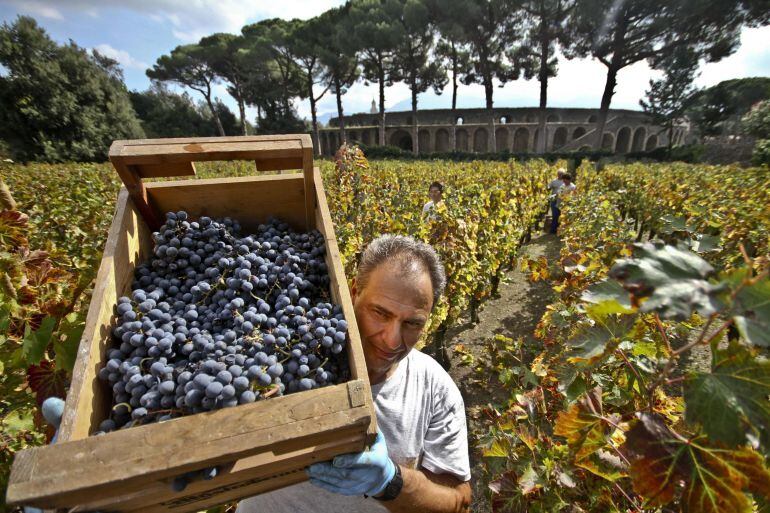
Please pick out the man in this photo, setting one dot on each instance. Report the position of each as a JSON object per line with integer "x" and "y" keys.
{"x": 566, "y": 187}
{"x": 553, "y": 189}
{"x": 419, "y": 462}
{"x": 435, "y": 192}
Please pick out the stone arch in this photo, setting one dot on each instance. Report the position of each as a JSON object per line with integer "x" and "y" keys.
{"x": 521, "y": 140}
{"x": 585, "y": 147}
{"x": 442, "y": 140}
{"x": 639, "y": 136}
{"x": 409, "y": 120}
{"x": 504, "y": 120}
{"x": 552, "y": 118}
{"x": 480, "y": 137}
{"x": 608, "y": 141}
{"x": 459, "y": 121}
{"x": 535, "y": 140}
{"x": 461, "y": 140}
{"x": 501, "y": 139}
{"x": 560, "y": 137}
{"x": 592, "y": 118}
{"x": 353, "y": 136}
{"x": 366, "y": 137}
{"x": 401, "y": 139}
{"x": 423, "y": 138}
{"x": 579, "y": 132}
{"x": 652, "y": 143}
{"x": 530, "y": 118}
{"x": 622, "y": 140}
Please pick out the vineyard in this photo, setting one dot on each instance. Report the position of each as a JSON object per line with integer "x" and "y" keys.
{"x": 648, "y": 388}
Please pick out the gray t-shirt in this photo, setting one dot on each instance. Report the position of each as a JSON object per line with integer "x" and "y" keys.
{"x": 554, "y": 186}
{"x": 421, "y": 414}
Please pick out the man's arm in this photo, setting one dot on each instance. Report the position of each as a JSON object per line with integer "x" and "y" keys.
{"x": 426, "y": 492}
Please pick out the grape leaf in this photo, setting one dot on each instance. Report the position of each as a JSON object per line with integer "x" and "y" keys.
{"x": 732, "y": 399}
{"x": 609, "y": 297}
{"x": 530, "y": 481}
{"x": 583, "y": 425}
{"x": 705, "y": 477}
{"x": 753, "y": 306}
{"x": 673, "y": 280}
{"x": 46, "y": 381}
{"x": 705, "y": 243}
{"x": 35, "y": 342}
{"x": 593, "y": 343}
{"x": 673, "y": 224}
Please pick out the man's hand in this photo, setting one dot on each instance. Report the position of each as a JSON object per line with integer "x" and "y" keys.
{"x": 364, "y": 473}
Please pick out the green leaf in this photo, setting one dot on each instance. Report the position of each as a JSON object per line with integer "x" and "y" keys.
{"x": 530, "y": 481}
{"x": 36, "y": 342}
{"x": 608, "y": 291}
{"x": 732, "y": 400}
{"x": 673, "y": 279}
{"x": 673, "y": 224}
{"x": 752, "y": 305}
{"x": 592, "y": 344}
{"x": 705, "y": 243}
{"x": 67, "y": 350}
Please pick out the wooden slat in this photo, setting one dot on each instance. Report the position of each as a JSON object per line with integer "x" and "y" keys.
{"x": 310, "y": 190}
{"x": 281, "y": 164}
{"x": 341, "y": 293}
{"x": 237, "y": 480}
{"x": 155, "y": 151}
{"x": 128, "y": 459}
{"x": 163, "y": 170}
{"x": 137, "y": 191}
{"x": 251, "y": 200}
{"x": 86, "y": 401}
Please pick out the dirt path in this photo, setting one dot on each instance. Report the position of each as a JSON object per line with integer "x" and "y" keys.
{"x": 514, "y": 313}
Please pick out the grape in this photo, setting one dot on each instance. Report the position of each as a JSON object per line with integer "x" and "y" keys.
{"x": 214, "y": 319}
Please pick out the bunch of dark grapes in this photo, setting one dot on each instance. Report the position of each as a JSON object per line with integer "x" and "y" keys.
{"x": 215, "y": 320}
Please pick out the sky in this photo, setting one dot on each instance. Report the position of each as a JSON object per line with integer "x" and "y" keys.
{"x": 137, "y": 32}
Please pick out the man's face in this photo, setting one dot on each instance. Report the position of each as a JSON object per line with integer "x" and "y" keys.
{"x": 391, "y": 311}
{"x": 435, "y": 194}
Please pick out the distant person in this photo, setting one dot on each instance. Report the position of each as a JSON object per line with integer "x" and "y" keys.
{"x": 553, "y": 188}
{"x": 435, "y": 193}
{"x": 566, "y": 188}
{"x": 556, "y": 184}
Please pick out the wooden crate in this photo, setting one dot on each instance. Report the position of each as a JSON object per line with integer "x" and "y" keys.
{"x": 258, "y": 447}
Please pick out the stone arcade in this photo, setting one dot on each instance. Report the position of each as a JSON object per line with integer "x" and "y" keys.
{"x": 516, "y": 130}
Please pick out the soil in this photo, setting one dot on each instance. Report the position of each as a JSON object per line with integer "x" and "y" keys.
{"x": 514, "y": 313}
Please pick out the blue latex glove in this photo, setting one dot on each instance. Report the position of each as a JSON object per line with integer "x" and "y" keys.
{"x": 53, "y": 410}
{"x": 363, "y": 473}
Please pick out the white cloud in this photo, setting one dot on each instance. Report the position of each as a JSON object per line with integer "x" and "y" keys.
{"x": 189, "y": 20}
{"x": 750, "y": 60}
{"x": 123, "y": 57}
{"x": 40, "y": 8}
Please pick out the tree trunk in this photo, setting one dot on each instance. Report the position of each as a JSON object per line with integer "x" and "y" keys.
{"x": 453, "y": 135}
{"x": 381, "y": 77}
{"x": 612, "y": 80}
{"x": 542, "y": 141}
{"x": 340, "y": 114}
{"x": 220, "y": 129}
{"x": 415, "y": 139}
{"x": 314, "y": 116}
{"x": 242, "y": 109}
{"x": 488, "y": 92}
{"x": 601, "y": 120}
